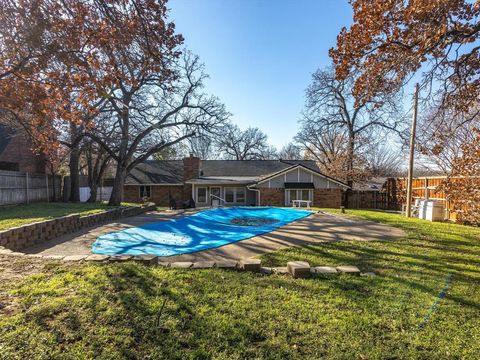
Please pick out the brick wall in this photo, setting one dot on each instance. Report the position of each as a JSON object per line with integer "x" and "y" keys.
{"x": 328, "y": 198}
{"x": 272, "y": 197}
{"x": 24, "y": 236}
{"x": 159, "y": 194}
{"x": 191, "y": 167}
{"x": 18, "y": 151}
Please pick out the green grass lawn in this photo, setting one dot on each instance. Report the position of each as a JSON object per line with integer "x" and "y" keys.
{"x": 17, "y": 215}
{"x": 114, "y": 311}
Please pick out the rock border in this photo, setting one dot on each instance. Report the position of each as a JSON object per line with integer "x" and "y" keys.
{"x": 295, "y": 269}
{"x": 21, "y": 237}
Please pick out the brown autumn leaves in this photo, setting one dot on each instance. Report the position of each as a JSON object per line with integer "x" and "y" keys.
{"x": 391, "y": 40}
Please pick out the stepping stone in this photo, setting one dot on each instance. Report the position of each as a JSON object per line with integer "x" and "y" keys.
{"x": 203, "y": 265}
{"x": 97, "y": 258}
{"x": 118, "y": 258}
{"x": 250, "y": 264}
{"x": 280, "y": 270}
{"x": 146, "y": 259}
{"x": 34, "y": 255}
{"x": 53, "y": 257}
{"x": 181, "y": 265}
{"x": 298, "y": 269}
{"x": 266, "y": 270}
{"x": 74, "y": 258}
{"x": 226, "y": 264}
{"x": 348, "y": 269}
{"x": 368, "y": 274}
{"x": 325, "y": 270}
{"x": 16, "y": 253}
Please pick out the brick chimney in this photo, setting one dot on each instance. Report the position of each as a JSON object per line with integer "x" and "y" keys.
{"x": 191, "y": 167}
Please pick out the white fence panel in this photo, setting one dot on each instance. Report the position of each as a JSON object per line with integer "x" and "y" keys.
{"x": 103, "y": 193}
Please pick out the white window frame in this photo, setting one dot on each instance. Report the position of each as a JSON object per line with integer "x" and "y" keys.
{"x": 288, "y": 201}
{"x": 206, "y": 194}
{"x": 235, "y": 190}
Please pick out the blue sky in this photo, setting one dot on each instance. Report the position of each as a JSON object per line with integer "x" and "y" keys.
{"x": 260, "y": 54}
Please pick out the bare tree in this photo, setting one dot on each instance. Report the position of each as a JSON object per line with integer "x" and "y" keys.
{"x": 97, "y": 161}
{"x": 169, "y": 153}
{"x": 327, "y": 147}
{"x": 290, "y": 151}
{"x": 250, "y": 144}
{"x": 153, "y": 115}
{"x": 383, "y": 160}
{"x": 202, "y": 145}
{"x": 331, "y": 107}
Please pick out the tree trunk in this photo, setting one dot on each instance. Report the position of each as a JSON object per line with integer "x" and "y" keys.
{"x": 350, "y": 158}
{"x": 117, "y": 191}
{"x": 93, "y": 192}
{"x": 74, "y": 175}
{"x": 54, "y": 191}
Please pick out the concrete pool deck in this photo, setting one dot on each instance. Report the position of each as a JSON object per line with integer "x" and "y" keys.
{"x": 317, "y": 228}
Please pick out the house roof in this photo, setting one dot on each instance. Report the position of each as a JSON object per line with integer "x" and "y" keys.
{"x": 270, "y": 176}
{"x": 160, "y": 172}
{"x": 164, "y": 172}
{"x": 5, "y": 136}
{"x": 252, "y": 168}
{"x": 222, "y": 180}
{"x": 299, "y": 185}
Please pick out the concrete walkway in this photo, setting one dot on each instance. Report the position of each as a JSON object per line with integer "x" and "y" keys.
{"x": 316, "y": 228}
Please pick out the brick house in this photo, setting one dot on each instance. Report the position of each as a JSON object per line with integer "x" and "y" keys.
{"x": 16, "y": 153}
{"x": 232, "y": 182}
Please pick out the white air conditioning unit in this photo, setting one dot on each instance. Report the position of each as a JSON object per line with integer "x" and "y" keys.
{"x": 432, "y": 210}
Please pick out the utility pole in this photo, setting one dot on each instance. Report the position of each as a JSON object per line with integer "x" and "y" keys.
{"x": 408, "y": 211}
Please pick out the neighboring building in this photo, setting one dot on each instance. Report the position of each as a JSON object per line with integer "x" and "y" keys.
{"x": 248, "y": 182}
{"x": 16, "y": 153}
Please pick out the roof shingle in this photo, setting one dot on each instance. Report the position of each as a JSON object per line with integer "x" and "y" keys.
{"x": 171, "y": 171}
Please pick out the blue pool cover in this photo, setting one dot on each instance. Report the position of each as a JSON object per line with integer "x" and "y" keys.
{"x": 203, "y": 230}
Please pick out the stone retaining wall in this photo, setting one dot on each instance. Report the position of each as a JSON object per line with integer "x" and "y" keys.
{"x": 21, "y": 237}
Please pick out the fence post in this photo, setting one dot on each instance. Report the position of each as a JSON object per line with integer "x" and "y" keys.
{"x": 26, "y": 186}
{"x": 46, "y": 181}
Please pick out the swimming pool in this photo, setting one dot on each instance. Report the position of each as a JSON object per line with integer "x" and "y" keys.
{"x": 200, "y": 231}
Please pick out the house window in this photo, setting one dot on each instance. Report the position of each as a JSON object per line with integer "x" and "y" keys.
{"x": 9, "y": 166}
{"x": 298, "y": 194}
{"x": 202, "y": 194}
{"x": 235, "y": 195}
{"x": 145, "y": 191}
{"x": 292, "y": 194}
{"x": 240, "y": 195}
{"x": 305, "y": 194}
{"x": 230, "y": 195}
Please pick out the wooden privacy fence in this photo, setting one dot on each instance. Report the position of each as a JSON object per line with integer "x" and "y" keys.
{"x": 368, "y": 199}
{"x": 21, "y": 188}
{"x": 428, "y": 187}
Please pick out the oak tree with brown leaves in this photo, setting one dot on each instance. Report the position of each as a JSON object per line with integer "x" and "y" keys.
{"x": 390, "y": 40}
{"x": 67, "y": 66}
{"x": 463, "y": 186}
